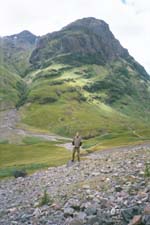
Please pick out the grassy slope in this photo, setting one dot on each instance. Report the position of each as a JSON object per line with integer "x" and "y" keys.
{"x": 9, "y": 94}
{"x": 59, "y": 103}
{"x": 15, "y": 55}
{"x": 30, "y": 156}
{"x": 14, "y": 63}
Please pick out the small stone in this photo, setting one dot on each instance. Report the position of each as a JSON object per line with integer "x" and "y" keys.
{"x": 56, "y": 206}
{"x": 113, "y": 211}
{"x": 136, "y": 220}
{"x": 103, "y": 202}
{"x": 36, "y": 204}
{"x": 75, "y": 204}
{"x": 68, "y": 211}
{"x": 37, "y": 212}
{"x": 139, "y": 165}
{"x": 107, "y": 179}
{"x": 118, "y": 188}
{"x": 142, "y": 195}
{"x": 76, "y": 222}
{"x": 91, "y": 220}
{"x": 85, "y": 205}
{"x": 88, "y": 191}
{"x": 129, "y": 213}
{"x": 146, "y": 220}
{"x": 141, "y": 173}
{"x": 86, "y": 186}
{"x": 81, "y": 215}
{"x": 91, "y": 211}
{"x": 12, "y": 210}
{"x": 95, "y": 174}
{"x": 147, "y": 210}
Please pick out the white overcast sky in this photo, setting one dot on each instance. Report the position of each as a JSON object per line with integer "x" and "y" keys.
{"x": 128, "y": 19}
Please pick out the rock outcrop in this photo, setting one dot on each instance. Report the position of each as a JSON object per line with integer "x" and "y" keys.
{"x": 83, "y": 39}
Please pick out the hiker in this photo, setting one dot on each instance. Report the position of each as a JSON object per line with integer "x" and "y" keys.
{"x": 77, "y": 142}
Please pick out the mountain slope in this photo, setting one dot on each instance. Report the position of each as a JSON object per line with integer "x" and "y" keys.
{"x": 9, "y": 93}
{"x": 81, "y": 78}
{"x": 15, "y": 51}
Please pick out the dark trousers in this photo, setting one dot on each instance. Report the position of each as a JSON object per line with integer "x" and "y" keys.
{"x": 76, "y": 150}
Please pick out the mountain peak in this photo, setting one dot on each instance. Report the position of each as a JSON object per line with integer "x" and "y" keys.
{"x": 86, "y": 40}
{"x": 24, "y": 36}
{"x": 86, "y": 22}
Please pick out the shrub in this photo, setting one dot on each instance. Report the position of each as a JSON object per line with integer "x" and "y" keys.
{"x": 57, "y": 82}
{"x": 46, "y": 75}
{"x": 47, "y": 100}
{"x": 19, "y": 173}
{"x": 147, "y": 170}
{"x": 45, "y": 199}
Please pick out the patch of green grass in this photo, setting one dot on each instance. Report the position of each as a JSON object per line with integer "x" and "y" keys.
{"x": 4, "y": 141}
{"x": 66, "y": 118}
{"x": 9, "y": 171}
{"x": 31, "y": 157}
{"x": 29, "y": 140}
{"x": 147, "y": 170}
{"x": 112, "y": 140}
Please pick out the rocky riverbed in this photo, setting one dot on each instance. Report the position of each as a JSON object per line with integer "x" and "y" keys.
{"x": 106, "y": 188}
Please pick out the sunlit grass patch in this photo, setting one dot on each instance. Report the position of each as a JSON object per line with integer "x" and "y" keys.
{"x": 31, "y": 157}
{"x": 110, "y": 140}
{"x": 32, "y": 140}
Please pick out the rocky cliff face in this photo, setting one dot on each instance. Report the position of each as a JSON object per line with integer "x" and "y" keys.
{"x": 85, "y": 38}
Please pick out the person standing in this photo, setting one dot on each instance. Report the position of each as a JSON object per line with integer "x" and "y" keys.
{"x": 77, "y": 142}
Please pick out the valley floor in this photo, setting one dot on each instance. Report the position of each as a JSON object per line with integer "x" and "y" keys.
{"x": 106, "y": 188}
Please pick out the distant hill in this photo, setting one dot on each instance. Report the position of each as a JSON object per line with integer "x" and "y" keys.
{"x": 15, "y": 51}
{"x": 79, "y": 78}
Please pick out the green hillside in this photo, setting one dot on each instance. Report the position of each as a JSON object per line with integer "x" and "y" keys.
{"x": 63, "y": 99}
{"x": 15, "y": 51}
{"x": 79, "y": 78}
{"x": 9, "y": 93}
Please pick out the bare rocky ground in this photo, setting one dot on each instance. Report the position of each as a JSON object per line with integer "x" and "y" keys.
{"x": 107, "y": 188}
